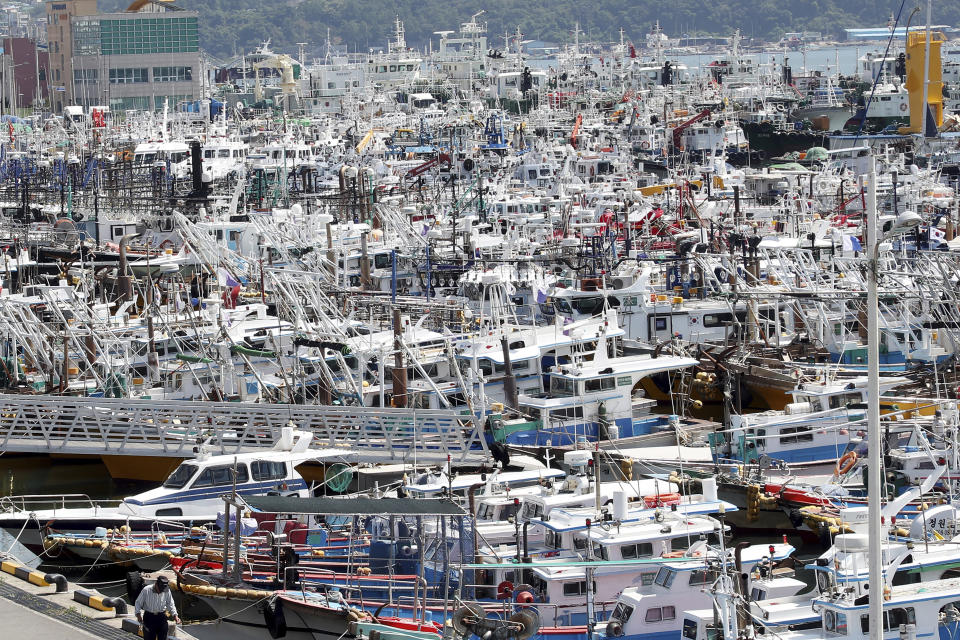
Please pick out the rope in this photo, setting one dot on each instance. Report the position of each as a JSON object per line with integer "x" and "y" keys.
{"x": 22, "y": 529}
{"x": 90, "y": 568}
{"x": 255, "y": 603}
{"x": 95, "y": 564}
{"x": 94, "y": 584}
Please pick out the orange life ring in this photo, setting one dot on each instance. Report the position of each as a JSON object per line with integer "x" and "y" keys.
{"x": 661, "y": 499}
{"x": 845, "y": 463}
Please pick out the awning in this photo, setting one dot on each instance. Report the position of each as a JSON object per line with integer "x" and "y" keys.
{"x": 355, "y": 506}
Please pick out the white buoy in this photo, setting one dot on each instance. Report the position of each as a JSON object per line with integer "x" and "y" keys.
{"x": 708, "y": 486}
{"x": 619, "y": 505}
{"x": 286, "y": 439}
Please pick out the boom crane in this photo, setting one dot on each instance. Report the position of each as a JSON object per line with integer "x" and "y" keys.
{"x": 680, "y": 128}
{"x": 576, "y": 130}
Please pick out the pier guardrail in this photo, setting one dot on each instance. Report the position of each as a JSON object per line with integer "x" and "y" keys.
{"x": 125, "y": 426}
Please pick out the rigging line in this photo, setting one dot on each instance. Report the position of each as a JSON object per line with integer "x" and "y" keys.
{"x": 876, "y": 80}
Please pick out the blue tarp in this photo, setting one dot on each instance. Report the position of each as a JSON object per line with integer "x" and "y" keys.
{"x": 216, "y": 107}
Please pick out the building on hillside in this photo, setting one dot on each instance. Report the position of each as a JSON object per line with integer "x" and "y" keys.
{"x": 140, "y": 58}
{"x": 17, "y": 21}
{"x": 883, "y": 33}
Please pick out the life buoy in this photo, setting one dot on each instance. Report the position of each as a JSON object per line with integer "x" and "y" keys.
{"x": 845, "y": 463}
{"x": 644, "y": 145}
{"x": 166, "y": 244}
{"x": 904, "y": 107}
{"x": 780, "y": 107}
{"x": 662, "y": 499}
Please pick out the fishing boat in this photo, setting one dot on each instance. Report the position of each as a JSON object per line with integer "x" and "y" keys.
{"x": 189, "y": 496}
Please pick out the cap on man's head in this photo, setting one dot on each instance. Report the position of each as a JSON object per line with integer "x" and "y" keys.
{"x": 163, "y": 580}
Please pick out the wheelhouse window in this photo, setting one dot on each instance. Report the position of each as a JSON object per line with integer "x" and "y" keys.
{"x": 532, "y": 510}
{"x": 665, "y": 577}
{"x": 600, "y": 551}
{"x": 793, "y": 435}
{"x": 552, "y": 539}
{"x": 179, "y": 478}
{"x": 522, "y": 365}
{"x": 701, "y": 576}
{"x": 601, "y": 384}
{"x": 486, "y": 512}
{"x": 622, "y": 612}
{"x": 266, "y": 470}
{"x": 639, "y": 550}
{"x": 560, "y": 386}
{"x": 588, "y": 306}
{"x": 680, "y": 544}
{"x": 892, "y": 619}
{"x": 716, "y": 319}
{"x": 508, "y": 511}
{"x": 576, "y": 588}
{"x": 842, "y": 400}
{"x": 659, "y": 614}
{"x": 221, "y": 476}
{"x": 569, "y": 412}
{"x": 835, "y": 623}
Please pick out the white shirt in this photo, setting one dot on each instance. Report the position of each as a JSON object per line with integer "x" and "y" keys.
{"x": 150, "y": 600}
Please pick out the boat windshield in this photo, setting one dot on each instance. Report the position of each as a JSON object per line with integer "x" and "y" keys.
{"x": 179, "y": 478}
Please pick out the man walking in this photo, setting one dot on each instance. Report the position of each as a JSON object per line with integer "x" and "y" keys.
{"x": 152, "y": 607}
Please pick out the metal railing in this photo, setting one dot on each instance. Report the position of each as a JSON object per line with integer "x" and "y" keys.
{"x": 45, "y": 502}
{"x": 62, "y": 424}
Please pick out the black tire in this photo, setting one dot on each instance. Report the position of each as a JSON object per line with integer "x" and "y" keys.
{"x": 274, "y": 619}
{"x": 796, "y": 519}
{"x": 614, "y": 629}
{"x": 135, "y": 585}
{"x": 499, "y": 453}
{"x": 826, "y": 540}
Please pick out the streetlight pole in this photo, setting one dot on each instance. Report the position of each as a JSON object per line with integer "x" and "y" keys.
{"x": 874, "y": 458}
{"x": 905, "y": 221}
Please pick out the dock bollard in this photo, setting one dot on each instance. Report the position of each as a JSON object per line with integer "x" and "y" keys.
{"x": 103, "y": 603}
{"x": 34, "y": 577}
{"x": 58, "y": 580}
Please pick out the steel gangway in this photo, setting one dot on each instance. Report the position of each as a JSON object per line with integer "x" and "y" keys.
{"x": 139, "y": 427}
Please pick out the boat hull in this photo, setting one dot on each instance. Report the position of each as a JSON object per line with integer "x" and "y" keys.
{"x": 243, "y": 619}
{"x": 774, "y": 143}
{"x": 30, "y": 533}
